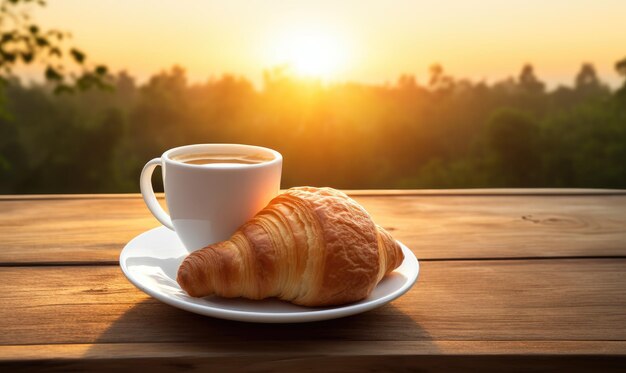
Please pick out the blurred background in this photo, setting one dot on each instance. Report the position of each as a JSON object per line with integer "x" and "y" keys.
{"x": 354, "y": 94}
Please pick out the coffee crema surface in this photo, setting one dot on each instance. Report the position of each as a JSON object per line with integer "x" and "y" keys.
{"x": 212, "y": 158}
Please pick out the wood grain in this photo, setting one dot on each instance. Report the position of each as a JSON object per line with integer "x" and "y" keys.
{"x": 453, "y": 227}
{"x": 74, "y": 230}
{"x": 513, "y": 300}
{"x": 94, "y": 229}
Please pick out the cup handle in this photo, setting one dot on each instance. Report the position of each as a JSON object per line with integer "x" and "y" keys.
{"x": 145, "y": 184}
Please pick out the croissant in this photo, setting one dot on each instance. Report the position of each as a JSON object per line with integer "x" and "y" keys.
{"x": 309, "y": 246}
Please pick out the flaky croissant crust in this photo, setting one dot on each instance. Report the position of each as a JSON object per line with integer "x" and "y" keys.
{"x": 309, "y": 246}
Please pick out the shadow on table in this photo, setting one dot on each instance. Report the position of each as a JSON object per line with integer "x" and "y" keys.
{"x": 153, "y": 321}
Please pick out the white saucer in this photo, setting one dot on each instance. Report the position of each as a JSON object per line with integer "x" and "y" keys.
{"x": 150, "y": 261}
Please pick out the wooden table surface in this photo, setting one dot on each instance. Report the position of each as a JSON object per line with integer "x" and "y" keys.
{"x": 511, "y": 280}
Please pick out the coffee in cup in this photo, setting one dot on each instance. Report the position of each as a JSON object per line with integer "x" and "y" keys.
{"x": 223, "y": 159}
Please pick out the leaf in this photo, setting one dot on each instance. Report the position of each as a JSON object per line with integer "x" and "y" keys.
{"x": 7, "y": 56}
{"x": 27, "y": 57}
{"x": 78, "y": 56}
{"x": 42, "y": 42}
{"x": 101, "y": 70}
{"x": 54, "y": 51}
{"x": 7, "y": 36}
{"x": 52, "y": 74}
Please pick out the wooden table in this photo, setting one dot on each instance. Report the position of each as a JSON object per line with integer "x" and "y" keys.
{"x": 510, "y": 279}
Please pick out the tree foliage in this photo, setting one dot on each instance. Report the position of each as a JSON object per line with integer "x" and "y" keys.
{"x": 447, "y": 132}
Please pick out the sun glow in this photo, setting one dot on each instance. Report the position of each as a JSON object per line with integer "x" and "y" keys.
{"x": 311, "y": 53}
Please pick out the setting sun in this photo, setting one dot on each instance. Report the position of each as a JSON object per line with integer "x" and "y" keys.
{"x": 311, "y": 53}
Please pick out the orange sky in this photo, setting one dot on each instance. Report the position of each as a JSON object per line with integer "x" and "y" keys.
{"x": 372, "y": 41}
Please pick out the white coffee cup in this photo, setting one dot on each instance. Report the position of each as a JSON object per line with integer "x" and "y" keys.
{"x": 208, "y": 202}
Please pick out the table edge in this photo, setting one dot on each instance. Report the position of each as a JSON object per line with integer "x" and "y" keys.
{"x": 366, "y": 192}
{"x": 142, "y": 350}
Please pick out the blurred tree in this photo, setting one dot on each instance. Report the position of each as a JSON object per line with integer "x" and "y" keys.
{"x": 587, "y": 77}
{"x": 125, "y": 88}
{"x": 528, "y": 81}
{"x": 10, "y": 150}
{"x": 451, "y": 133}
{"x": 23, "y": 41}
{"x": 620, "y": 66}
{"x": 587, "y": 84}
{"x": 161, "y": 118}
{"x": 439, "y": 81}
{"x": 407, "y": 82}
{"x": 513, "y": 136}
